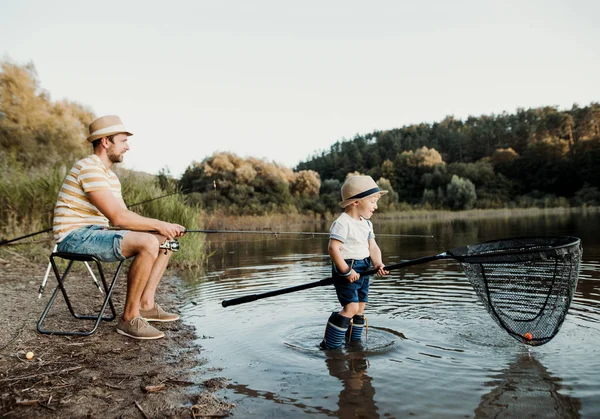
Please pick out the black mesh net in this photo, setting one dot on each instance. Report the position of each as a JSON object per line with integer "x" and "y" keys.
{"x": 526, "y": 284}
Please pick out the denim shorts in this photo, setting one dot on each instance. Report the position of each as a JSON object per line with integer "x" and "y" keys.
{"x": 96, "y": 241}
{"x": 352, "y": 292}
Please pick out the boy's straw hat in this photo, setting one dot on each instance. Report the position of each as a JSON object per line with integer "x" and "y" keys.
{"x": 358, "y": 187}
{"x": 105, "y": 126}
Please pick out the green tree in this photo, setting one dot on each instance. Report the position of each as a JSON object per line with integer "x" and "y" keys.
{"x": 460, "y": 193}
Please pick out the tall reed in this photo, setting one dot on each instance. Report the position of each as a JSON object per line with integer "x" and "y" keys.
{"x": 27, "y": 197}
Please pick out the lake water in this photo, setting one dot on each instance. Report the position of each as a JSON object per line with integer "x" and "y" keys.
{"x": 432, "y": 348}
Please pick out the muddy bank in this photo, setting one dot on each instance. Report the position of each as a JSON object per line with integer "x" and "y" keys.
{"x": 103, "y": 375}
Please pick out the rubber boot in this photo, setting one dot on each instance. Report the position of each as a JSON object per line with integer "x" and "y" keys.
{"x": 354, "y": 332}
{"x": 335, "y": 331}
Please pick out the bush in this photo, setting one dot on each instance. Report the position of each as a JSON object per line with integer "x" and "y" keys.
{"x": 460, "y": 193}
{"x": 588, "y": 195}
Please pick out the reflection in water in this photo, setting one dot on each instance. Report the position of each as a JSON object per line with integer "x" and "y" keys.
{"x": 527, "y": 390}
{"x": 279, "y": 400}
{"x": 356, "y": 398}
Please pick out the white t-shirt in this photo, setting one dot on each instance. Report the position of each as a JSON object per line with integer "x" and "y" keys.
{"x": 354, "y": 234}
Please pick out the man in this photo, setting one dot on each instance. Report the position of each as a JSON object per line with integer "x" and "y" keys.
{"x": 89, "y": 201}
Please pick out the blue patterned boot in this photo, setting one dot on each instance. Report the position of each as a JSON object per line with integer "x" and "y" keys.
{"x": 336, "y": 328}
{"x": 354, "y": 332}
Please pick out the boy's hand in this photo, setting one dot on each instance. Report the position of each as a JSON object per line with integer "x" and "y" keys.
{"x": 354, "y": 276}
{"x": 381, "y": 269}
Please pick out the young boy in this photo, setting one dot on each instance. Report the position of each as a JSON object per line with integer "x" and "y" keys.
{"x": 353, "y": 249}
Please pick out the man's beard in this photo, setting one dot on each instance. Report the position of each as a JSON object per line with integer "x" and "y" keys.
{"x": 114, "y": 158}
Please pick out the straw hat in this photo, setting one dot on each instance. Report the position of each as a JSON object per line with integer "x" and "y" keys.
{"x": 358, "y": 187}
{"x": 105, "y": 126}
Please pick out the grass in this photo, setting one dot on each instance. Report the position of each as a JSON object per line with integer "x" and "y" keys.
{"x": 270, "y": 222}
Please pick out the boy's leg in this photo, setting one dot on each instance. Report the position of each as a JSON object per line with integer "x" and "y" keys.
{"x": 351, "y": 309}
{"x": 337, "y": 325}
{"x": 358, "y": 324}
{"x": 335, "y": 331}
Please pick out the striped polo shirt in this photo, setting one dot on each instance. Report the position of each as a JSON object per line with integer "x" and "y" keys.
{"x": 73, "y": 208}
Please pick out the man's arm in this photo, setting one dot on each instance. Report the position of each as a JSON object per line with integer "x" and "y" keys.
{"x": 119, "y": 216}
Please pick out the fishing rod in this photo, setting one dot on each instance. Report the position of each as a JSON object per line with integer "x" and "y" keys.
{"x": 301, "y": 233}
{"x": 3, "y": 241}
{"x": 7, "y": 241}
{"x": 327, "y": 281}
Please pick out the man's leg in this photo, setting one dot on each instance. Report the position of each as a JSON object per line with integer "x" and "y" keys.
{"x": 145, "y": 248}
{"x": 158, "y": 269}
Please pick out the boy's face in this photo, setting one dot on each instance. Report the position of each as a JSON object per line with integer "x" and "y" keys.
{"x": 367, "y": 206}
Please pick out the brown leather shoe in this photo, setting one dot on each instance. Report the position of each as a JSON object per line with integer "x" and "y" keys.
{"x": 138, "y": 328}
{"x": 157, "y": 314}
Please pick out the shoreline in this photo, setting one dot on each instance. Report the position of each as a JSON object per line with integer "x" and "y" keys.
{"x": 280, "y": 222}
{"x": 105, "y": 374}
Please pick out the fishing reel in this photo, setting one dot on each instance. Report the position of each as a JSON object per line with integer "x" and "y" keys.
{"x": 172, "y": 245}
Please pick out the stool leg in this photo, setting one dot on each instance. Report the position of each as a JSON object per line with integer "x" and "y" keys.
{"x": 108, "y": 290}
{"x": 98, "y": 318}
{"x": 61, "y": 280}
{"x": 107, "y": 300}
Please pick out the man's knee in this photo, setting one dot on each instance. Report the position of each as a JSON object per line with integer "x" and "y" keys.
{"x": 136, "y": 243}
{"x": 151, "y": 245}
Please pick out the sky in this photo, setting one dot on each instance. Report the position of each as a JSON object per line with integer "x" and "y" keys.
{"x": 283, "y": 80}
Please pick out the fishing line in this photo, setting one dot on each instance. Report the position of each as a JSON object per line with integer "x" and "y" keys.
{"x": 302, "y": 233}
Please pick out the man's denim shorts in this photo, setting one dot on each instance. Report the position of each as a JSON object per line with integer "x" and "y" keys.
{"x": 352, "y": 292}
{"x": 96, "y": 241}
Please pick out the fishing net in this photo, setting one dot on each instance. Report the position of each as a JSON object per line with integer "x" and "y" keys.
{"x": 526, "y": 284}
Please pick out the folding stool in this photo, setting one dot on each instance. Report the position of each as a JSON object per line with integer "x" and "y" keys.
{"x": 76, "y": 257}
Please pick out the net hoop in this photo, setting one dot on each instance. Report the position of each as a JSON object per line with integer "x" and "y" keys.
{"x": 517, "y": 249}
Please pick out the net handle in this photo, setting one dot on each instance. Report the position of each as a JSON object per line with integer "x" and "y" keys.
{"x": 328, "y": 281}
{"x": 406, "y": 264}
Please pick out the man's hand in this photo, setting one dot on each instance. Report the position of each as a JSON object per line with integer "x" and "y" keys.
{"x": 170, "y": 231}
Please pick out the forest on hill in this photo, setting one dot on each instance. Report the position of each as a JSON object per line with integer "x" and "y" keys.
{"x": 540, "y": 156}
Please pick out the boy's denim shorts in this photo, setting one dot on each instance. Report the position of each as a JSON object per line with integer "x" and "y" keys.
{"x": 352, "y": 292}
{"x": 96, "y": 241}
